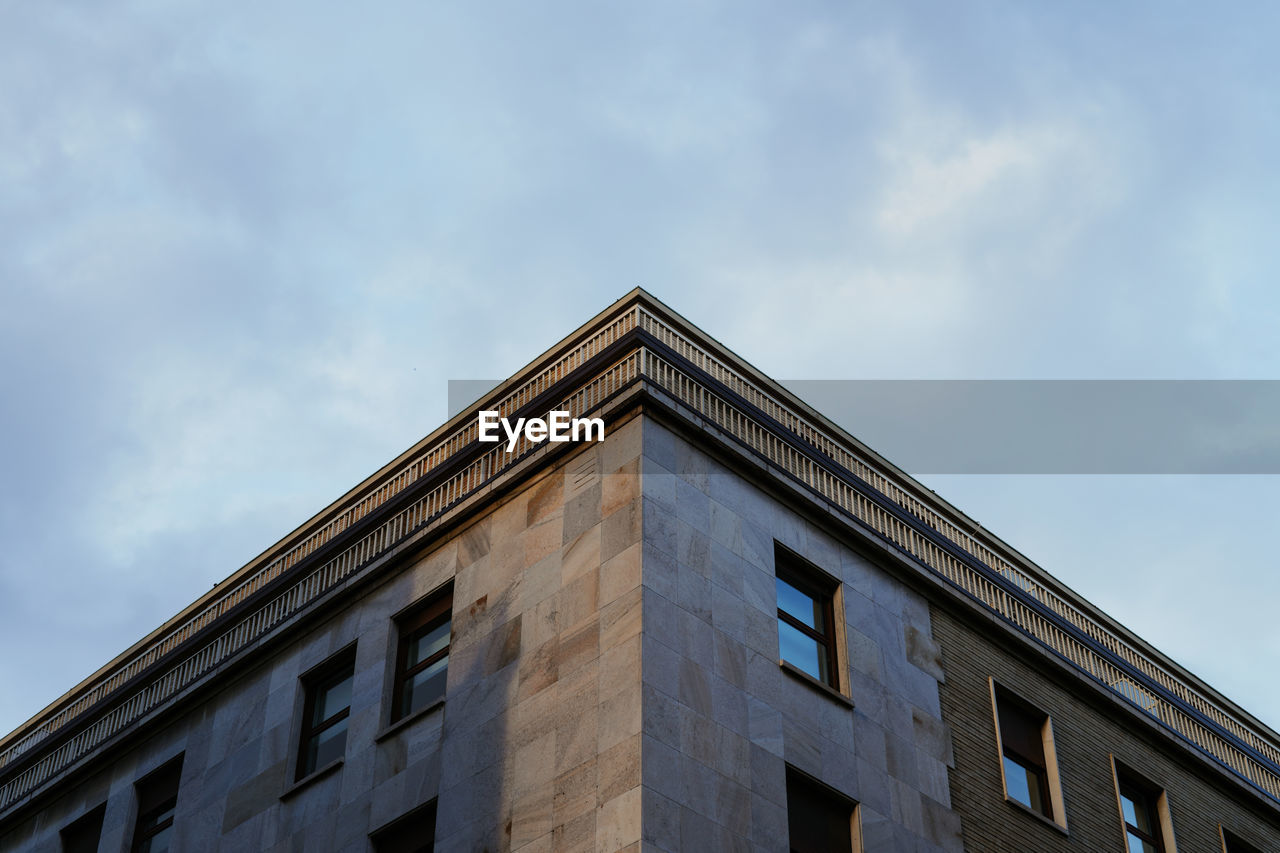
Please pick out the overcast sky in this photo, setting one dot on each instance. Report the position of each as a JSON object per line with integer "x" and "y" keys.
{"x": 243, "y": 247}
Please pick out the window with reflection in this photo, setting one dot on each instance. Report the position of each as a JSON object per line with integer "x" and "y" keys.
{"x": 1023, "y": 751}
{"x": 806, "y": 618}
{"x": 1140, "y": 807}
{"x": 326, "y": 706}
{"x": 422, "y": 658}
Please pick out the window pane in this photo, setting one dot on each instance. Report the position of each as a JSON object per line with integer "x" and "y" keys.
{"x": 800, "y": 605}
{"x": 423, "y": 688}
{"x": 1235, "y": 845}
{"x": 157, "y": 843}
{"x": 1137, "y": 845}
{"x": 818, "y": 819}
{"x": 428, "y": 644}
{"x": 326, "y": 746}
{"x": 331, "y": 700}
{"x": 1021, "y": 732}
{"x": 157, "y": 799}
{"x": 801, "y": 651}
{"x": 83, "y": 835}
{"x": 1016, "y": 781}
{"x": 161, "y": 816}
{"x": 414, "y": 833}
{"x": 1130, "y": 810}
{"x": 1141, "y": 815}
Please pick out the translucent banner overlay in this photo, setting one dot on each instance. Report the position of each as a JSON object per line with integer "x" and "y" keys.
{"x": 1035, "y": 426}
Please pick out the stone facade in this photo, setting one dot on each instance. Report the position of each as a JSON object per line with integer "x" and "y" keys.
{"x": 614, "y": 678}
{"x": 613, "y": 672}
{"x": 536, "y": 748}
{"x": 722, "y": 719}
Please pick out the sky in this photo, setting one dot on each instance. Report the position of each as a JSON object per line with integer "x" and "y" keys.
{"x": 244, "y": 247}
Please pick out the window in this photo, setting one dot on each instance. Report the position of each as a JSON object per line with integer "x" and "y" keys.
{"x": 157, "y": 799}
{"x": 806, "y": 618}
{"x": 422, "y": 657}
{"x": 83, "y": 835}
{"x": 1144, "y": 811}
{"x": 819, "y": 819}
{"x": 325, "y": 708}
{"x": 1027, "y": 755}
{"x": 413, "y": 833}
{"x": 1232, "y": 843}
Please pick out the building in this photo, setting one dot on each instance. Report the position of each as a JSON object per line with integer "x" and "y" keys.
{"x": 728, "y": 625}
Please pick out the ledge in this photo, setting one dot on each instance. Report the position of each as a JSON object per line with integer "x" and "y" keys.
{"x": 404, "y": 722}
{"x": 1025, "y": 809}
{"x": 314, "y": 776}
{"x": 660, "y": 350}
{"x": 807, "y": 679}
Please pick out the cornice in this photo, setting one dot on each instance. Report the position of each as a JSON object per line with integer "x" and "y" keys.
{"x": 637, "y": 342}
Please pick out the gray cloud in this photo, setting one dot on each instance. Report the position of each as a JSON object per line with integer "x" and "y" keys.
{"x": 243, "y": 248}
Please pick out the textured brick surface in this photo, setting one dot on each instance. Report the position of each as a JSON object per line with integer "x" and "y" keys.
{"x": 1086, "y": 733}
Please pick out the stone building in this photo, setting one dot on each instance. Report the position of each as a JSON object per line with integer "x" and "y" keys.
{"x": 728, "y": 625}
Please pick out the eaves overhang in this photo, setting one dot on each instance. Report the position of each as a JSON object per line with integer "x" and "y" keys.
{"x": 636, "y": 346}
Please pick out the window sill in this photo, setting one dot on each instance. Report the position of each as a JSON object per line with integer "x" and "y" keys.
{"x": 403, "y": 722}
{"x": 805, "y": 678}
{"x": 314, "y": 776}
{"x": 1025, "y": 809}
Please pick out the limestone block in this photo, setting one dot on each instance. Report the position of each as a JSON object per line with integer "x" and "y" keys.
{"x": 725, "y": 526}
{"x": 618, "y": 822}
{"x": 621, "y": 618}
{"x": 580, "y": 555}
{"x": 619, "y": 486}
{"x": 661, "y": 827}
{"x": 662, "y": 768}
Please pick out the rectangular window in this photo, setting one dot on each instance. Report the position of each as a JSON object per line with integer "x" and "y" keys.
{"x": 157, "y": 799}
{"x": 1145, "y": 813}
{"x": 1232, "y": 843}
{"x": 1027, "y": 755}
{"x": 413, "y": 833}
{"x": 83, "y": 835}
{"x": 806, "y": 618}
{"x": 325, "y": 708}
{"x": 422, "y": 655}
{"x": 819, "y": 819}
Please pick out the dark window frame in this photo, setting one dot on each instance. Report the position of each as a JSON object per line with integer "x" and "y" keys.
{"x": 143, "y": 834}
{"x": 1144, "y": 795}
{"x": 1232, "y": 843}
{"x": 416, "y": 622}
{"x": 820, "y": 803}
{"x": 402, "y": 834}
{"x": 157, "y": 794}
{"x": 85, "y": 832}
{"x": 1014, "y": 711}
{"x": 811, "y": 581}
{"x": 327, "y": 675}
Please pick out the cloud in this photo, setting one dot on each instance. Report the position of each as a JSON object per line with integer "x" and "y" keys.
{"x": 242, "y": 248}
{"x": 968, "y": 179}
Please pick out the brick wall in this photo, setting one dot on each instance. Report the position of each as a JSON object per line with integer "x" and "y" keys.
{"x": 1086, "y": 731}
